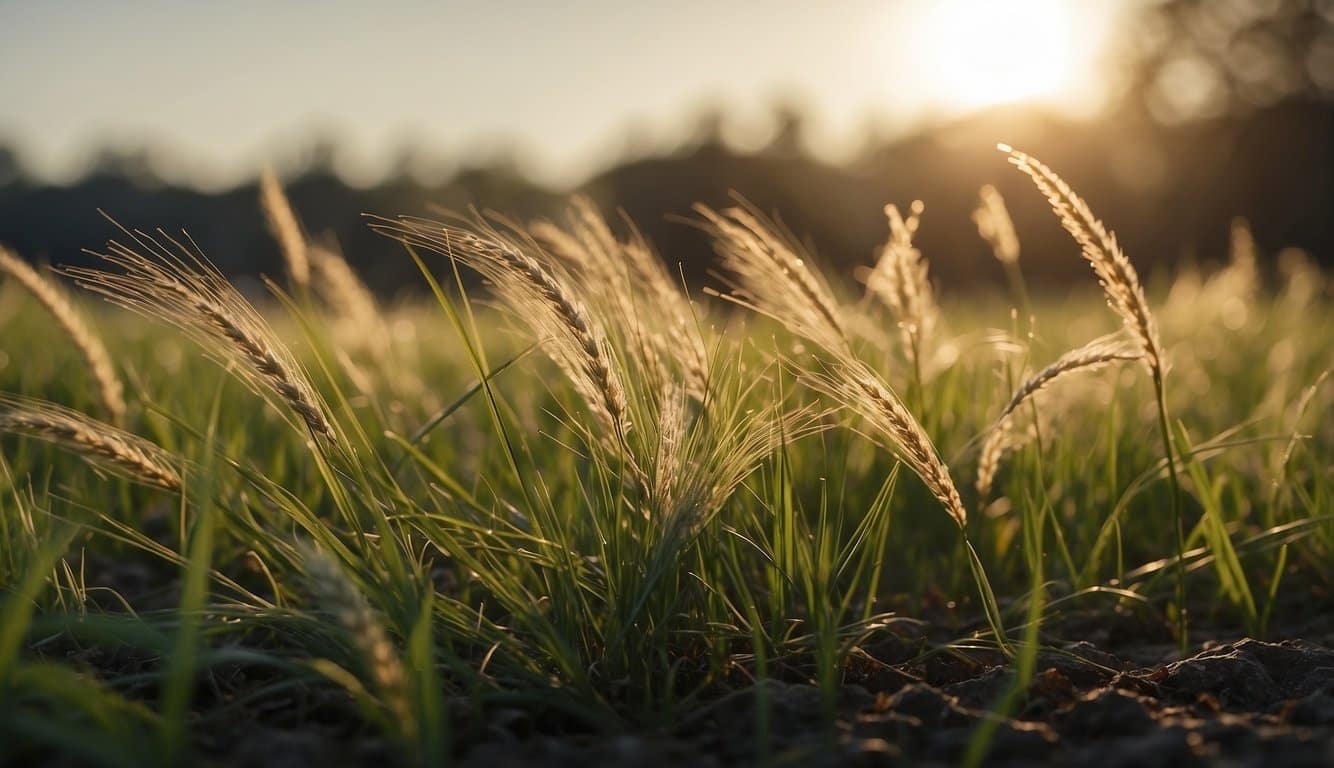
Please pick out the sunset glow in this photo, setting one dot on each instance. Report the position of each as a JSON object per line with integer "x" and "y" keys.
{"x": 974, "y": 53}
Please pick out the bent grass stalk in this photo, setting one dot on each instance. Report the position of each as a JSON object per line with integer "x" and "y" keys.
{"x": 545, "y": 301}
{"x": 860, "y": 389}
{"x": 1091, "y": 356}
{"x": 89, "y": 344}
{"x": 1125, "y": 295}
{"x": 285, "y": 228}
{"x": 177, "y": 285}
{"x": 125, "y": 454}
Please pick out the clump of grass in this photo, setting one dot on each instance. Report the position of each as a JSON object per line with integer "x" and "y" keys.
{"x": 177, "y": 285}
{"x": 90, "y": 346}
{"x": 776, "y": 281}
{"x": 704, "y": 455}
{"x": 119, "y": 451}
{"x": 637, "y": 286}
{"x": 508, "y": 565}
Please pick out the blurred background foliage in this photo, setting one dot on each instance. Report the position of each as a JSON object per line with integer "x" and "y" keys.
{"x": 1226, "y": 109}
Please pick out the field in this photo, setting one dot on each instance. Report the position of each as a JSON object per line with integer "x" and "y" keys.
{"x": 579, "y": 515}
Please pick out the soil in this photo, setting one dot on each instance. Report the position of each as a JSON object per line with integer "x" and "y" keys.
{"x": 1242, "y": 703}
{"x": 1120, "y": 697}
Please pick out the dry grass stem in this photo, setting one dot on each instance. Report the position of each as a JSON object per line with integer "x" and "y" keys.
{"x": 543, "y": 298}
{"x": 89, "y": 344}
{"x": 773, "y": 278}
{"x": 285, "y": 228}
{"x": 859, "y": 388}
{"x": 1117, "y": 275}
{"x": 118, "y": 451}
{"x": 995, "y": 225}
{"x": 180, "y": 287}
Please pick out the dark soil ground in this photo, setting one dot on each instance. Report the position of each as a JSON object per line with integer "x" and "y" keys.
{"x": 1246, "y": 703}
{"x": 1239, "y": 703}
{"x": 1121, "y": 696}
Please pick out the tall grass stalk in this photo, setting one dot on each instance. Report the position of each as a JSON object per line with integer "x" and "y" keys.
{"x": 1125, "y": 295}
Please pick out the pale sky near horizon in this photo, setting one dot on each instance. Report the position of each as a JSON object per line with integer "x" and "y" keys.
{"x": 224, "y": 87}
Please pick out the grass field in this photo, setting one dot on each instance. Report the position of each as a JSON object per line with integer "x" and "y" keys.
{"x": 586, "y": 497}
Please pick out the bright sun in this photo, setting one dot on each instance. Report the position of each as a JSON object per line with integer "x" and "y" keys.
{"x": 976, "y": 53}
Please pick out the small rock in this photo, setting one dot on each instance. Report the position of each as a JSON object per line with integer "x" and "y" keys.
{"x": 1314, "y": 710}
{"x": 931, "y": 706}
{"x": 1236, "y": 679}
{"x": 1108, "y": 712}
{"x": 1166, "y": 748}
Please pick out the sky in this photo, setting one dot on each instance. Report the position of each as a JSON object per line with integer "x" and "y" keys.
{"x": 218, "y": 89}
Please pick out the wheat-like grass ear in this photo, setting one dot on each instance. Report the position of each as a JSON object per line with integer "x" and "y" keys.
{"x": 177, "y": 285}
{"x": 995, "y": 226}
{"x": 1093, "y": 355}
{"x": 900, "y": 281}
{"x": 856, "y": 386}
{"x": 770, "y": 275}
{"x": 90, "y": 346}
{"x": 543, "y": 298}
{"x": 119, "y": 451}
{"x": 285, "y": 228}
{"x": 999, "y": 437}
{"x": 336, "y": 593}
{"x": 1120, "y": 282}
{"x": 631, "y": 282}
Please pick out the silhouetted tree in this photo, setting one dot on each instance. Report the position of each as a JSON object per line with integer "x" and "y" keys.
{"x": 1205, "y": 58}
{"x": 10, "y": 170}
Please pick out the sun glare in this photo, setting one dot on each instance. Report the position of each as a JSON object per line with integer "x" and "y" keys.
{"x": 978, "y": 53}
